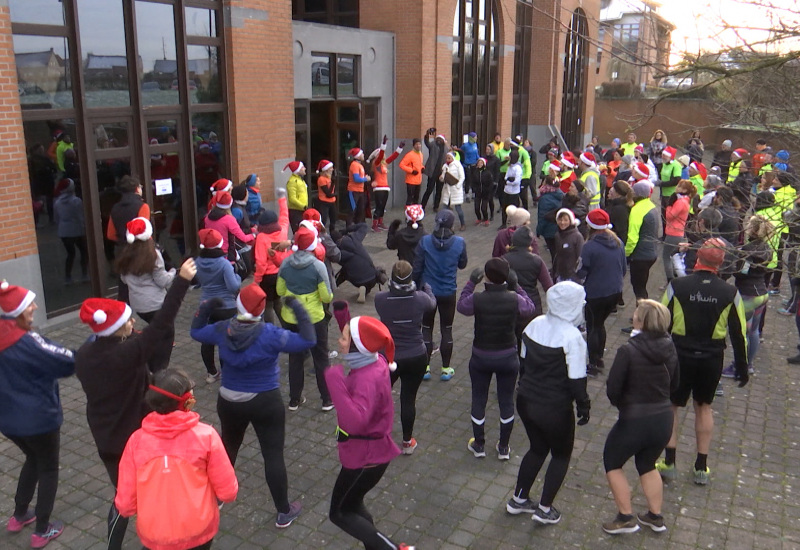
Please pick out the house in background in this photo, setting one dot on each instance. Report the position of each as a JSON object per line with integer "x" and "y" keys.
{"x": 635, "y": 43}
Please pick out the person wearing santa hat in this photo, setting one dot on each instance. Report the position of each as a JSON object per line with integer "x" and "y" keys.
{"x": 365, "y": 415}
{"x": 112, "y": 369}
{"x": 357, "y": 177}
{"x": 71, "y": 228}
{"x": 221, "y": 219}
{"x": 217, "y": 279}
{"x": 303, "y": 276}
{"x": 437, "y": 149}
{"x": 130, "y": 205}
{"x": 405, "y": 240}
{"x": 550, "y": 199}
{"x": 297, "y": 191}
{"x": 327, "y": 250}
{"x": 737, "y": 155}
{"x": 222, "y": 184}
{"x": 590, "y": 178}
{"x": 250, "y": 390}
{"x": 31, "y": 415}
{"x": 272, "y": 246}
{"x": 698, "y": 175}
{"x": 568, "y": 246}
{"x": 326, "y": 194}
{"x": 401, "y": 309}
{"x": 380, "y": 184}
{"x": 567, "y": 174}
{"x": 602, "y": 271}
{"x": 494, "y": 347}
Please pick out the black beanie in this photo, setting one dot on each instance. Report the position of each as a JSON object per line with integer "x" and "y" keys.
{"x": 522, "y": 237}
{"x": 496, "y": 270}
{"x": 239, "y": 193}
{"x": 267, "y": 217}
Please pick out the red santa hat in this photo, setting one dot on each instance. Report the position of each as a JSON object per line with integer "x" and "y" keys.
{"x": 104, "y": 315}
{"x": 305, "y": 239}
{"x": 441, "y": 136}
{"x": 568, "y": 160}
{"x": 14, "y": 299}
{"x": 371, "y": 336}
{"x": 669, "y": 152}
{"x": 639, "y": 148}
{"x": 210, "y": 238}
{"x": 414, "y": 213}
{"x": 223, "y": 199}
{"x": 701, "y": 169}
{"x": 588, "y": 159}
{"x": 323, "y": 165}
{"x": 295, "y": 166}
{"x": 641, "y": 171}
{"x": 221, "y": 185}
{"x": 138, "y": 229}
{"x": 312, "y": 214}
{"x": 355, "y": 153}
{"x": 740, "y": 153}
{"x": 598, "y": 219}
{"x": 555, "y": 165}
{"x": 250, "y": 302}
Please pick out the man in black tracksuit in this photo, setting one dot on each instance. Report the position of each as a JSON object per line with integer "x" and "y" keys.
{"x": 704, "y": 310}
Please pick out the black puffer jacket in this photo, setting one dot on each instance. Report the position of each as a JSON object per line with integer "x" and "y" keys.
{"x": 644, "y": 374}
{"x": 356, "y": 262}
{"x": 404, "y": 240}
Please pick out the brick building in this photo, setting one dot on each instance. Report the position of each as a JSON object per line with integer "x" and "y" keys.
{"x": 185, "y": 91}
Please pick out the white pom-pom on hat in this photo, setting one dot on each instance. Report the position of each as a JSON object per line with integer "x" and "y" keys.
{"x": 392, "y": 366}
{"x": 100, "y": 317}
{"x": 4, "y": 285}
{"x": 415, "y": 225}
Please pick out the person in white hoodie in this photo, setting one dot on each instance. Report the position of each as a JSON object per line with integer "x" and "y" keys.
{"x": 71, "y": 227}
{"x": 453, "y": 193}
{"x": 513, "y": 184}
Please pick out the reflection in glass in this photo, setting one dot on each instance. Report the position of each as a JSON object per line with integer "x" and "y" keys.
{"x": 40, "y": 12}
{"x": 204, "y": 84}
{"x": 320, "y": 75}
{"x": 105, "y": 67}
{"x": 346, "y": 75}
{"x": 201, "y": 22}
{"x": 110, "y": 135}
{"x": 167, "y": 203}
{"x": 155, "y": 29}
{"x": 43, "y": 75}
{"x": 109, "y": 173}
{"x": 348, "y": 114}
{"x": 209, "y": 156}
{"x": 162, "y": 131}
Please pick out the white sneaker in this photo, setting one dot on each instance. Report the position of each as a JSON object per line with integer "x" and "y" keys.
{"x": 362, "y": 295}
{"x": 211, "y": 378}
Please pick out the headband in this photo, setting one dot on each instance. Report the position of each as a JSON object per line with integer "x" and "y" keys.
{"x": 181, "y": 400}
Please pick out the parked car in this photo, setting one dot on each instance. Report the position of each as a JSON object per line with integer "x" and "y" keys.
{"x": 677, "y": 82}
{"x": 150, "y": 86}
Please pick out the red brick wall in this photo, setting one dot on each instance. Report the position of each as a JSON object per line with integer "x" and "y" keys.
{"x": 261, "y": 90}
{"x": 16, "y": 213}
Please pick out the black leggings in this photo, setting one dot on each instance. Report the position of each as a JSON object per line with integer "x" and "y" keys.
{"x": 357, "y": 202}
{"x": 347, "y": 506}
{"x": 319, "y": 354}
{"x": 550, "y": 432}
{"x": 507, "y": 201}
{"x": 434, "y": 186}
{"x": 268, "y": 416}
{"x": 446, "y": 305}
{"x": 410, "y": 372}
{"x": 597, "y": 311}
{"x": 484, "y": 204}
{"x": 70, "y": 244}
{"x": 40, "y": 468}
{"x": 269, "y": 285}
{"x": 523, "y": 192}
{"x": 295, "y": 217}
{"x": 643, "y": 438}
{"x": 117, "y": 525}
{"x": 481, "y": 369}
{"x": 328, "y": 213}
{"x": 640, "y": 273}
{"x": 207, "y": 350}
{"x": 162, "y": 351}
{"x": 412, "y": 193}
{"x": 381, "y": 197}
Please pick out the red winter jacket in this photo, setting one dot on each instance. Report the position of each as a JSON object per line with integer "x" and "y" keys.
{"x": 171, "y": 474}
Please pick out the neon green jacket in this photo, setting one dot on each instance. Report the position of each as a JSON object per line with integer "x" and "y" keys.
{"x": 525, "y": 160}
{"x": 297, "y": 192}
{"x": 502, "y": 154}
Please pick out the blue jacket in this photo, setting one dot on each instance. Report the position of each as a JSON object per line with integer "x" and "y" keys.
{"x": 253, "y": 203}
{"x": 218, "y": 280}
{"x": 603, "y": 266}
{"x": 437, "y": 260}
{"x": 30, "y": 366}
{"x": 250, "y": 352}
{"x": 548, "y": 202}
{"x": 470, "y": 151}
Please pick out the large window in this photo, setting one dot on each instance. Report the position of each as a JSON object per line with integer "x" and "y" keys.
{"x": 117, "y": 98}
{"x": 343, "y": 13}
{"x": 522, "y": 67}
{"x": 576, "y": 63}
{"x": 476, "y": 54}
{"x": 625, "y": 42}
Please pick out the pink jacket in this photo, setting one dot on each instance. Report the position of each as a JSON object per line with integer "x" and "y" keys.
{"x": 227, "y": 224}
{"x": 677, "y": 214}
{"x": 364, "y": 407}
{"x": 172, "y": 472}
{"x": 266, "y": 264}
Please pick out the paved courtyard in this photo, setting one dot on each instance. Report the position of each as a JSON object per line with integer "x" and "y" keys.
{"x": 442, "y": 497}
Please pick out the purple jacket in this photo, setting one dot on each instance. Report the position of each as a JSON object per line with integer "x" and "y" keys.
{"x": 503, "y": 240}
{"x": 364, "y": 407}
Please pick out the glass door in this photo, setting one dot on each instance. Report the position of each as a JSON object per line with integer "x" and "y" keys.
{"x": 348, "y": 136}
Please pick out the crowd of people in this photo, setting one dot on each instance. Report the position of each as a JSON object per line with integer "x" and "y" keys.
{"x": 539, "y": 325}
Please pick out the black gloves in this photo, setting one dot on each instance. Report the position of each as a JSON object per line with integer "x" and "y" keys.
{"x": 415, "y": 172}
{"x": 512, "y": 280}
{"x": 477, "y": 275}
{"x": 304, "y": 325}
{"x": 582, "y": 401}
{"x": 742, "y": 376}
{"x": 583, "y": 414}
{"x": 395, "y": 225}
{"x": 204, "y": 312}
